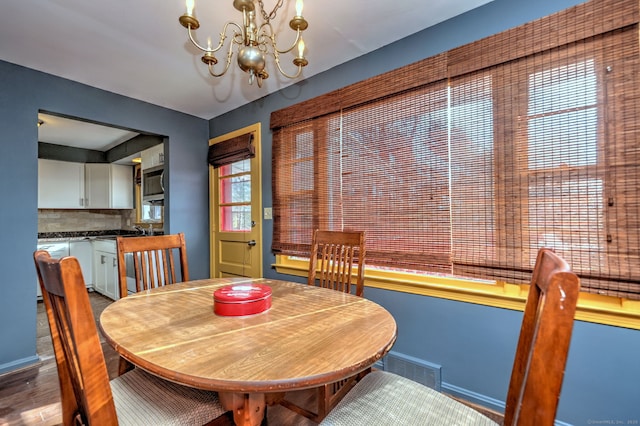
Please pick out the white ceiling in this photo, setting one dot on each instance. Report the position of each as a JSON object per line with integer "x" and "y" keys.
{"x": 139, "y": 49}
{"x": 80, "y": 134}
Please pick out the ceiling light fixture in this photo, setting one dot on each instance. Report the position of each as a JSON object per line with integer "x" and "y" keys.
{"x": 254, "y": 42}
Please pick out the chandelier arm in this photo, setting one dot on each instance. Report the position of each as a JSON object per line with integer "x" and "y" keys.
{"x": 223, "y": 37}
{"x": 226, "y": 67}
{"x": 295, "y": 43}
{"x": 193, "y": 41}
{"x": 277, "y": 61}
{"x": 272, "y": 38}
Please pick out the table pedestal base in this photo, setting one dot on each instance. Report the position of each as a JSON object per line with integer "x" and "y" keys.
{"x": 248, "y": 408}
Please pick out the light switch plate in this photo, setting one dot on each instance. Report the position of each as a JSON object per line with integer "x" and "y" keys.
{"x": 268, "y": 213}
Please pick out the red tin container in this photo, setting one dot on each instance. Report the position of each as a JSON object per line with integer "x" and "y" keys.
{"x": 241, "y": 299}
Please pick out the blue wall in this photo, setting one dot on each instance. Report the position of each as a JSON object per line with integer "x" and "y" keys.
{"x": 473, "y": 344}
{"x": 22, "y": 93}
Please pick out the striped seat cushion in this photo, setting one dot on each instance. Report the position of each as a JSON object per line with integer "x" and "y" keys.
{"x": 143, "y": 399}
{"x": 383, "y": 398}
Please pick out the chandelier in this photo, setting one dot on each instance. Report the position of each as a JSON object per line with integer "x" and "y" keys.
{"x": 254, "y": 42}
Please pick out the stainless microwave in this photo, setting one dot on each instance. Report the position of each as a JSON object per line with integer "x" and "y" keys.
{"x": 153, "y": 185}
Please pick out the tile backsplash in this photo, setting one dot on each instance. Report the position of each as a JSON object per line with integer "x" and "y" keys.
{"x": 67, "y": 220}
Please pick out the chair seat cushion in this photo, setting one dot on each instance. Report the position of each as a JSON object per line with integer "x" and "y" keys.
{"x": 144, "y": 399}
{"x": 383, "y": 398}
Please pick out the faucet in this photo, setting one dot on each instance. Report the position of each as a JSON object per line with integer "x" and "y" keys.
{"x": 144, "y": 231}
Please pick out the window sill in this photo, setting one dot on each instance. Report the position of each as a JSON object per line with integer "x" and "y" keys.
{"x": 591, "y": 307}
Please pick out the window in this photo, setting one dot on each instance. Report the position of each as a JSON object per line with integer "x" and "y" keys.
{"x": 145, "y": 213}
{"x": 565, "y": 165}
{"x": 471, "y": 144}
{"x": 522, "y": 140}
{"x": 235, "y": 196}
{"x": 533, "y": 177}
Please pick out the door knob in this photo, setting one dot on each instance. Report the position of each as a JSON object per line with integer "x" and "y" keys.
{"x": 251, "y": 243}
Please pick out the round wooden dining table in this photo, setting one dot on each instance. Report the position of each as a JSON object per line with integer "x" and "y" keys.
{"x": 309, "y": 337}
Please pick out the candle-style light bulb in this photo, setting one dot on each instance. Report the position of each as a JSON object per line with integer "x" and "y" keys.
{"x": 190, "y": 6}
{"x": 299, "y": 7}
{"x": 301, "y": 48}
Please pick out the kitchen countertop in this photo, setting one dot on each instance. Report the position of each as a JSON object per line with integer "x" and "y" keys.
{"x": 88, "y": 235}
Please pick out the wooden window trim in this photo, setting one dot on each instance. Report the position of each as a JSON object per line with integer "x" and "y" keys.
{"x": 593, "y": 308}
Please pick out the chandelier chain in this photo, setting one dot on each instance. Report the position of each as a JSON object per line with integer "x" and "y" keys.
{"x": 272, "y": 15}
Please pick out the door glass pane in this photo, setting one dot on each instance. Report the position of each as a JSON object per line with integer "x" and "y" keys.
{"x": 236, "y": 189}
{"x": 234, "y": 168}
{"x": 235, "y": 218}
{"x": 235, "y": 196}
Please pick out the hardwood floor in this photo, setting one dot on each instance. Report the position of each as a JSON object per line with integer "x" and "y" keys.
{"x": 31, "y": 396}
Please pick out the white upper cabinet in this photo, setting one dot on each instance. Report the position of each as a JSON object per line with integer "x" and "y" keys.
{"x": 97, "y": 187}
{"x": 108, "y": 186}
{"x": 121, "y": 186}
{"x": 67, "y": 185}
{"x": 152, "y": 157}
{"x": 60, "y": 185}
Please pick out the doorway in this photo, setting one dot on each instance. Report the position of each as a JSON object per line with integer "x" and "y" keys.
{"x": 235, "y": 211}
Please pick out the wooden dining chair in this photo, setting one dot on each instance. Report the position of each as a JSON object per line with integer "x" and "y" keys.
{"x": 335, "y": 257}
{"x": 154, "y": 261}
{"x": 154, "y": 265}
{"x": 536, "y": 379}
{"x": 87, "y": 395}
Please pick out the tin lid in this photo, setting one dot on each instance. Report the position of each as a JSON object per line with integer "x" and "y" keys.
{"x": 238, "y": 293}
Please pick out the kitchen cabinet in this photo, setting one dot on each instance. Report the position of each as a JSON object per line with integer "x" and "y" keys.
{"x": 97, "y": 185}
{"x": 121, "y": 187}
{"x": 60, "y": 184}
{"x": 83, "y": 251}
{"x": 108, "y": 186}
{"x": 68, "y": 185}
{"x": 105, "y": 268}
{"x": 152, "y": 157}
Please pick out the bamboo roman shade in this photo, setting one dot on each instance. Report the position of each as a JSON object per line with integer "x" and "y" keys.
{"x": 467, "y": 162}
{"x": 231, "y": 150}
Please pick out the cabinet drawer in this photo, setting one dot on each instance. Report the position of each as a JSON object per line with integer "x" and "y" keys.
{"x": 107, "y": 246}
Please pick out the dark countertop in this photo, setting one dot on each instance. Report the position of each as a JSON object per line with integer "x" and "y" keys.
{"x": 87, "y": 234}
